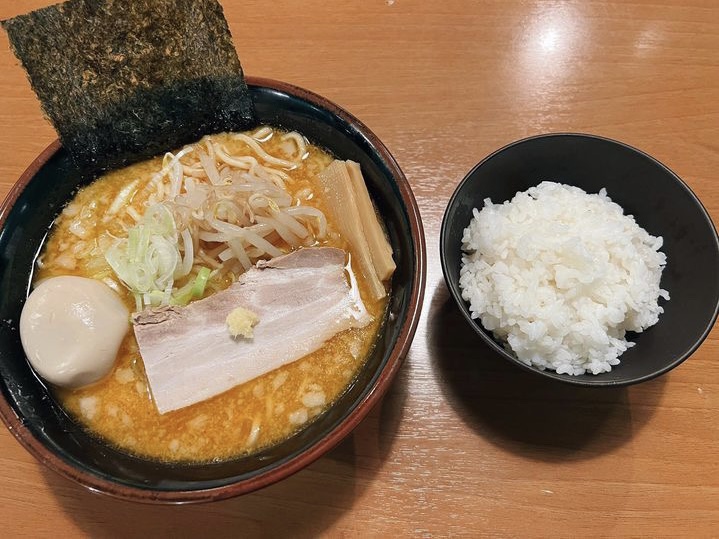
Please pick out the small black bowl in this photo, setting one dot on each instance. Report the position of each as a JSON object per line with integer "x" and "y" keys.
{"x": 28, "y": 408}
{"x": 661, "y": 203}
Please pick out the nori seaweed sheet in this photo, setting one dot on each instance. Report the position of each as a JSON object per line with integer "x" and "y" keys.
{"x": 124, "y": 80}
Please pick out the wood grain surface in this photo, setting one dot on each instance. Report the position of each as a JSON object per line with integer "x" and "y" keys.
{"x": 464, "y": 443}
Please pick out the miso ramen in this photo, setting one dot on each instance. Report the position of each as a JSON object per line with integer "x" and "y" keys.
{"x": 282, "y": 196}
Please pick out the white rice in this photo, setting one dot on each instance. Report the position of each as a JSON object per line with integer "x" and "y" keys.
{"x": 560, "y": 276}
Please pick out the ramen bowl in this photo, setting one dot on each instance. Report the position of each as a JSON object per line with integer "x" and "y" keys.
{"x": 29, "y": 409}
{"x": 660, "y": 202}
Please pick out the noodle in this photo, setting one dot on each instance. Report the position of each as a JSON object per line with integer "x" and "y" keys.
{"x": 221, "y": 229}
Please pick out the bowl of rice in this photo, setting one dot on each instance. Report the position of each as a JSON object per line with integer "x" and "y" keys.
{"x": 582, "y": 259}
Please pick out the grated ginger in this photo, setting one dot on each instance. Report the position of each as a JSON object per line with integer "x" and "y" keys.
{"x": 240, "y": 322}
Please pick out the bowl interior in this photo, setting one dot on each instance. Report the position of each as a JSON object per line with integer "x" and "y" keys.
{"x": 56, "y": 437}
{"x": 660, "y": 202}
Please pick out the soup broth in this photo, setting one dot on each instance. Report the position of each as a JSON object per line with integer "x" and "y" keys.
{"x": 242, "y": 420}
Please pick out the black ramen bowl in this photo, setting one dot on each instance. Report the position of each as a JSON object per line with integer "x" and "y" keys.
{"x": 660, "y": 202}
{"x": 42, "y": 426}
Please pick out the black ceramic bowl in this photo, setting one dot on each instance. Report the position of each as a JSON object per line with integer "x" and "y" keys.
{"x": 661, "y": 203}
{"x": 28, "y": 408}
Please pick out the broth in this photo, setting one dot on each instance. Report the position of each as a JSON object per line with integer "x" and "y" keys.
{"x": 251, "y": 416}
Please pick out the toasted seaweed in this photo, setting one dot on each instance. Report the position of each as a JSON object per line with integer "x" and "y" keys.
{"x": 124, "y": 80}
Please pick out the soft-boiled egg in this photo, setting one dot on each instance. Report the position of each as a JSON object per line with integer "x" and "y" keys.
{"x": 71, "y": 329}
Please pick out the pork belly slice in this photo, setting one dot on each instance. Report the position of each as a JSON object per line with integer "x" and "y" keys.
{"x": 302, "y": 300}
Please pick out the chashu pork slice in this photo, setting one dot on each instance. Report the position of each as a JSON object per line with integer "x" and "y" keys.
{"x": 302, "y": 299}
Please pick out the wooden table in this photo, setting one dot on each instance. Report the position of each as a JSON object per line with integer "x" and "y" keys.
{"x": 463, "y": 443}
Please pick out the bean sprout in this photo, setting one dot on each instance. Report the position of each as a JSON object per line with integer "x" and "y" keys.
{"x": 230, "y": 206}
